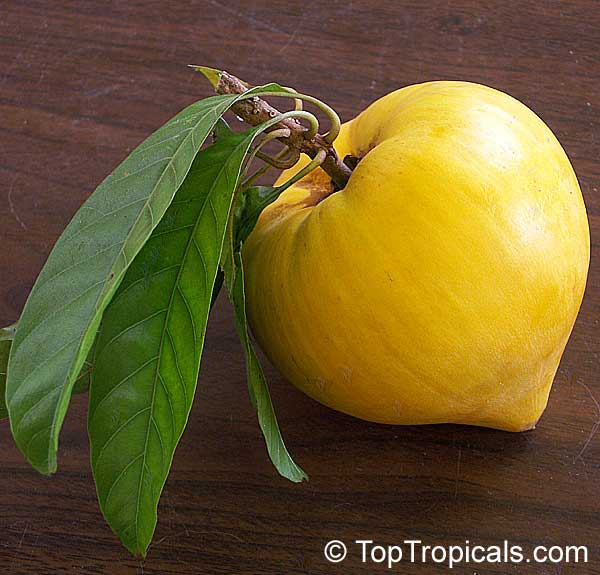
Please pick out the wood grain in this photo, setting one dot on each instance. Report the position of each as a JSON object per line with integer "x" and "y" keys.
{"x": 82, "y": 82}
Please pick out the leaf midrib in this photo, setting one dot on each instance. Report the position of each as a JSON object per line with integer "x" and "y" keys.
{"x": 112, "y": 273}
{"x": 189, "y": 243}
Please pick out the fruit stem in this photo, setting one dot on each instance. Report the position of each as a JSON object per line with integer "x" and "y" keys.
{"x": 255, "y": 111}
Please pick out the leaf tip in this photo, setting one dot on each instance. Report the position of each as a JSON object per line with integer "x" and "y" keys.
{"x": 8, "y": 333}
{"x": 46, "y": 468}
{"x": 137, "y": 548}
{"x": 211, "y": 74}
{"x": 301, "y": 477}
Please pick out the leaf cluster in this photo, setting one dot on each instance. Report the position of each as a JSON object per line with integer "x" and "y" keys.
{"x": 121, "y": 306}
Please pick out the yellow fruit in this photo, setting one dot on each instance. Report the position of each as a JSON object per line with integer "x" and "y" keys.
{"x": 442, "y": 283}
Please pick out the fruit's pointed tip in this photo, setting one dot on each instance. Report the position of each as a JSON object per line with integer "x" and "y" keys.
{"x": 211, "y": 74}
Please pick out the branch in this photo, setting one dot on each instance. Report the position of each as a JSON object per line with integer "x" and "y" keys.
{"x": 255, "y": 111}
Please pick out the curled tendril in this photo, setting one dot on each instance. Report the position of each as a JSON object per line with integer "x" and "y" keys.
{"x": 314, "y": 163}
{"x": 279, "y": 163}
{"x": 334, "y": 131}
{"x": 273, "y": 194}
{"x": 268, "y": 137}
{"x": 279, "y": 160}
{"x": 313, "y": 123}
{"x": 297, "y": 101}
{"x": 267, "y": 166}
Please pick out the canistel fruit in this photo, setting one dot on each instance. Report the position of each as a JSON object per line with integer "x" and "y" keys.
{"x": 442, "y": 283}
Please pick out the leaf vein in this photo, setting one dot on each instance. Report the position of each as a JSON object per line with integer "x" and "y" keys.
{"x": 168, "y": 394}
{"x": 57, "y": 310}
{"x": 112, "y": 182}
{"x": 130, "y": 327}
{"x": 115, "y": 433}
{"x": 118, "y": 478}
{"x": 122, "y": 292}
{"x": 189, "y": 311}
{"x": 181, "y": 378}
{"x": 117, "y": 385}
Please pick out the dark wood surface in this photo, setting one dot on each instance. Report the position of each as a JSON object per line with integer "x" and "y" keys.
{"x": 81, "y": 83}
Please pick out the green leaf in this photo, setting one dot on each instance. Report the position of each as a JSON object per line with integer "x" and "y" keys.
{"x": 4, "y": 352}
{"x": 87, "y": 264}
{"x": 148, "y": 352}
{"x": 257, "y": 383}
{"x": 252, "y": 202}
{"x": 82, "y": 384}
{"x": 221, "y": 130}
{"x": 212, "y": 75}
{"x": 7, "y": 334}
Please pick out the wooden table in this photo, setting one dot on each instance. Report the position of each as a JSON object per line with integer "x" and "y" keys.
{"x": 82, "y": 82}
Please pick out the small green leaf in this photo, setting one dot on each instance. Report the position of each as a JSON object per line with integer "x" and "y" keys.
{"x": 86, "y": 266}
{"x": 221, "y": 130}
{"x": 257, "y": 383}
{"x": 148, "y": 352}
{"x": 212, "y": 75}
{"x": 252, "y": 202}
